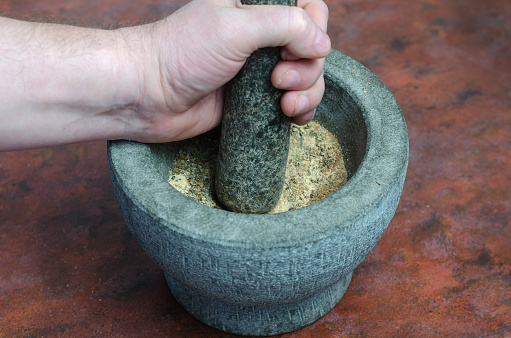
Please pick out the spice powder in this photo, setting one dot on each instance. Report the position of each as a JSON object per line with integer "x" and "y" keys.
{"x": 315, "y": 169}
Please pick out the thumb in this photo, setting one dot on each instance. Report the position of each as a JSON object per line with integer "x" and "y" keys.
{"x": 292, "y": 27}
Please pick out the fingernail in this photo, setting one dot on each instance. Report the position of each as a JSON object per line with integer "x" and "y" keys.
{"x": 301, "y": 104}
{"x": 289, "y": 80}
{"x": 322, "y": 43}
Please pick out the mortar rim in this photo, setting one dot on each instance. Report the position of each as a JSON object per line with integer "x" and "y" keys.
{"x": 188, "y": 216}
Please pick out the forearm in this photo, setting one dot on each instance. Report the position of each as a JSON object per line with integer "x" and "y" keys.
{"x": 159, "y": 82}
{"x": 62, "y": 84}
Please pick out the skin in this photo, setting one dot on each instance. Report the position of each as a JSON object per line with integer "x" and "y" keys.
{"x": 158, "y": 82}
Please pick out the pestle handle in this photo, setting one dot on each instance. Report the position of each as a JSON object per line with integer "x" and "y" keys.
{"x": 254, "y": 141}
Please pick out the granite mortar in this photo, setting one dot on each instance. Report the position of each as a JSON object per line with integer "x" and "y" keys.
{"x": 254, "y": 274}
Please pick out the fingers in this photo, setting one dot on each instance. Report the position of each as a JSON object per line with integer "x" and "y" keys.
{"x": 297, "y": 75}
{"x": 300, "y": 30}
{"x": 302, "y": 77}
{"x": 303, "y": 80}
{"x": 317, "y": 10}
{"x": 300, "y": 105}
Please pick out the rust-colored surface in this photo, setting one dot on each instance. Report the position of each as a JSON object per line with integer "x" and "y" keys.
{"x": 70, "y": 267}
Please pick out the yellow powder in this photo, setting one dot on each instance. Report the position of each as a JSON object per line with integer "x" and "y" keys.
{"x": 315, "y": 169}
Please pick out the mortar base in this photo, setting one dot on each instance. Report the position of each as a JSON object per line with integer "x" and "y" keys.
{"x": 258, "y": 320}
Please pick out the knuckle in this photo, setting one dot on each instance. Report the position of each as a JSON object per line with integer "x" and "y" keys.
{"x": 298, "y": 21}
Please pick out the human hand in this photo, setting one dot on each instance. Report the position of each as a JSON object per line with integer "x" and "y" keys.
{"x": 183, "y": 62}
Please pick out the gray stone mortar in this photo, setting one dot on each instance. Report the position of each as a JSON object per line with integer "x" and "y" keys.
{"x": 266, "y": 274}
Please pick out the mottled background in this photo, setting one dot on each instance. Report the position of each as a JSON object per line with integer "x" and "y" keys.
{"x": 69, "y": 266}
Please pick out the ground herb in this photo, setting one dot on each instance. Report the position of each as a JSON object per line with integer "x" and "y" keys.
{"x": 315, "y": 169}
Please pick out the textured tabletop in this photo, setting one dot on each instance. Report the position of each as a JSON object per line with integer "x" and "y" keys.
{"x": 69, "y": 265}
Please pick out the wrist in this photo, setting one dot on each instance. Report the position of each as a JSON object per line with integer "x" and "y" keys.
{"x": 138, "y": 69}
{"x": 107, "y": 90}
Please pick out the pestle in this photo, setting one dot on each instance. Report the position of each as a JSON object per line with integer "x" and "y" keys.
{"x": 254, "y": 140}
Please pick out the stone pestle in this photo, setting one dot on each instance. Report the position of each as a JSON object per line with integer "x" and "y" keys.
{"x": 254, "y": 140}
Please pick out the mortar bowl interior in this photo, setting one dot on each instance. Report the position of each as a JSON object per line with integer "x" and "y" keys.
{"x": 273, "y": 273}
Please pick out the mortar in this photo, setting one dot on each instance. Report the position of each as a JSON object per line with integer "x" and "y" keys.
{"x": 266, "y": 274}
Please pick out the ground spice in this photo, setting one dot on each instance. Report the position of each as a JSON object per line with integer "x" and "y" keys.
{"x": 315, "y": 169}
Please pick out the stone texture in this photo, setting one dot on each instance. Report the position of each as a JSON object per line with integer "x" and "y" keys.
{"x": 71, "y": 266}
{"x": 255, "y": 134}
{"x": 250, "y": 260}
{"x": 259, "y": 320}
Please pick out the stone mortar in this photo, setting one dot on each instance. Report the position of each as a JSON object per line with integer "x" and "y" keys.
{"x": 266, "y": 274}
